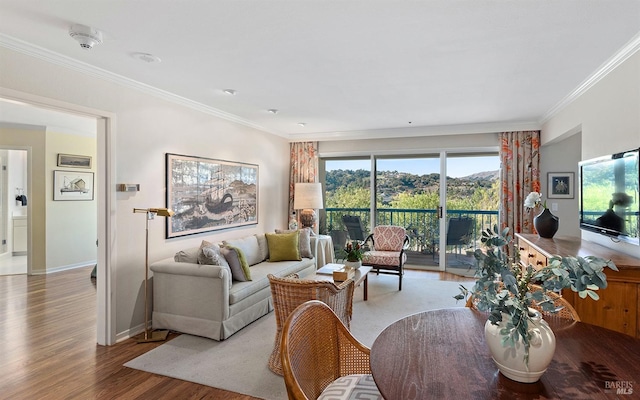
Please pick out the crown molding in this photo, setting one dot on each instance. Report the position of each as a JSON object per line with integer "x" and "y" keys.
{"x": 614, "y": 62}
{"x": 420, "y": 131}
{"x": 29, "y": 49}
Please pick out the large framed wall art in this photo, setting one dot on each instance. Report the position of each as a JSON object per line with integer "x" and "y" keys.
{"x": 208, "y": 194}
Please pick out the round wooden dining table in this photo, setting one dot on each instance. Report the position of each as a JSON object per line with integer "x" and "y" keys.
{"x": 442, "y": 354}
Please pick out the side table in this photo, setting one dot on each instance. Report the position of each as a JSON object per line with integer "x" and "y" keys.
{"x": 361, "y": 277}
{"x": 323, "y": 246}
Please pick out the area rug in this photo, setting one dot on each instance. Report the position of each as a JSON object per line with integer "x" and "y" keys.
{"x": 239, "y": 364}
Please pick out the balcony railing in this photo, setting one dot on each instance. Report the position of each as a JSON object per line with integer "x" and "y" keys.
{"x": 421, "y": 225}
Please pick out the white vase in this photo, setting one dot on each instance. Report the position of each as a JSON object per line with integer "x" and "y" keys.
{"x": 353, "y": 264}
{"x": 510, "y": 360}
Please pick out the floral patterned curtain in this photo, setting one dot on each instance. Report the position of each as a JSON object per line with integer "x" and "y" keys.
{"x": 519, "y": 175}
{"x": 304, "y": 166}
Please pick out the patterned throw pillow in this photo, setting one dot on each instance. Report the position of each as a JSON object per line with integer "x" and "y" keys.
{"x": 210, "y": 254}
{"x": 351, "y": 387}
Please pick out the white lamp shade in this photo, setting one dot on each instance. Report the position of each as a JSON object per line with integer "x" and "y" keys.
{"x": 307, "y": 196}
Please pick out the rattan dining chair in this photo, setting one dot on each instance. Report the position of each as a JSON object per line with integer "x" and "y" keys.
{"x": 318, "y": 350}
{"x": 289, "y": 292}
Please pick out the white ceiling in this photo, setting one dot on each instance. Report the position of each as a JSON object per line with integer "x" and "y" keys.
{"x": 345, "y": 68}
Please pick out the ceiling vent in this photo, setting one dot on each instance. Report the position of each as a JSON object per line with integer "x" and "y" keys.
{"x": 86, "y": 36}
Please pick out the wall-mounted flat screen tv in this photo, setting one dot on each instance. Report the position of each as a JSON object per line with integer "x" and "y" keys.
{"x": 609, "y": 202}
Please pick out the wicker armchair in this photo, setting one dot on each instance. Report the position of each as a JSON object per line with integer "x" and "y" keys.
{"x": 288, "y": 293}
{"x": 317, "y": 349}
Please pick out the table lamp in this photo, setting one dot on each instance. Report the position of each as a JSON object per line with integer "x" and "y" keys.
{"x": 308, "y": 198}
{"x": 149, "y": 335}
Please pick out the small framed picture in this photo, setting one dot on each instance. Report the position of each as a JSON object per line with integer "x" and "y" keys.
{"x": 72, "y": 185}
{"x": 73, "y": 161}
{"x": 560, "y": 185}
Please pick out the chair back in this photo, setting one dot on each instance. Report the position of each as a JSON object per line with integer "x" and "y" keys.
{"x": 317, "y": 349}
{"x": 288, "y": 293}
{"x": 459, "y": 231}
{"x": 389, "y": 238}
{"x": 354, "y": 227}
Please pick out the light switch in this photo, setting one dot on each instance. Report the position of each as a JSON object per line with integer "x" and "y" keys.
{"x": 554, "y": 206}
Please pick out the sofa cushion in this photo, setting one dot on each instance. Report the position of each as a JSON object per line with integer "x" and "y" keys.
{"x": 188, "y": 255}
{"x": 304, "y": 241}
{"x": 259, "y": 280}
{"x": 249, "y": 247}
{"x": 283, "y": 246}
{"x": 264, "y": 246}
{"x": 237, "y": 262}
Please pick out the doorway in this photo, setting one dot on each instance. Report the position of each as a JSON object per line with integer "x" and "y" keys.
{"x": 14, "y": 227}
{"x": 105, "y": 173}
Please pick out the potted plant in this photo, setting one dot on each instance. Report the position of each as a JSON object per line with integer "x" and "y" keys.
{"x": 504, "y": 289}
{"x": 353, "y": 254}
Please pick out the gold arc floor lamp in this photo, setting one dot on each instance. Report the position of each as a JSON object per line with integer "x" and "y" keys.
{"x": 149, "y": 335}
{"x": 307, "y": 197}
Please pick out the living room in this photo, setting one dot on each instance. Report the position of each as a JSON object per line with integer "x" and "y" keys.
{"x": 138, "y": 125}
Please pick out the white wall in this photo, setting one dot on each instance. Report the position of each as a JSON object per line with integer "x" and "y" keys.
{"x": 608, "y": 115}
{"x": 562, "y": 156}
{"x": 146, "y": 128}
{"x": 72, "y": 226}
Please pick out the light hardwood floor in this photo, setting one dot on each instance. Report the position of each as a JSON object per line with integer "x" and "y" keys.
{"x": 48, "y": 345}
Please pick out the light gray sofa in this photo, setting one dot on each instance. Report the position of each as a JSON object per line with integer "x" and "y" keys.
{"x": 203, "y": 300}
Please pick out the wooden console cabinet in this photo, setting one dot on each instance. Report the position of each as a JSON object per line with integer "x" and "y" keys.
{"x": 619, "y": 305}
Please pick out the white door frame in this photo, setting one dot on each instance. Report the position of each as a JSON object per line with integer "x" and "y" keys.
{"x": 105, "y": 302}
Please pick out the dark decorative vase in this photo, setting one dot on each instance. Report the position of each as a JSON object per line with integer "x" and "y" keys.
{"x": 546, "y": 224}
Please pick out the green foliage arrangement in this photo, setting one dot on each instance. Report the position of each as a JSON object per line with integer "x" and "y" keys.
{"x": 353, "y": 251}
{"x": 503, "y": 285}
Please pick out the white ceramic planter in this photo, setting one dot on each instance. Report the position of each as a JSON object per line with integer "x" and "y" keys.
{"x": 510, "y": 360}
{"x": 353, "y": 264}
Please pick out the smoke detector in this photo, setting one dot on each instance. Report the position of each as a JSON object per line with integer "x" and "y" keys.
{"x": 86, "y": 36}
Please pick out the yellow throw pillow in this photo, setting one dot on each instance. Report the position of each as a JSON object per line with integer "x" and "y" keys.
{"x": 283, "y": 246}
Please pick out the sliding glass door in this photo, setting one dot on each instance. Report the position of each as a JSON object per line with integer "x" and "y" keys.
{"x": 347, "y": 186}
{"x": 409, "y": 193}
{"x": 472, "y": 199}
{"x": 444, "y": 200}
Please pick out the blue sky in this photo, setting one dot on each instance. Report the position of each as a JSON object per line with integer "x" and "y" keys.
{"x": 456, "y": 166}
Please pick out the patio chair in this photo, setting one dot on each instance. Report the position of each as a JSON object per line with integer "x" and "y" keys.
{"x": 459, "y": 232}
{"x": 288, "y": 293}
{"x": 353, "y": 224}
{"x": 319, "y": 352}
{"x": 388, "y": 244}
{"x": 339, "y": 239}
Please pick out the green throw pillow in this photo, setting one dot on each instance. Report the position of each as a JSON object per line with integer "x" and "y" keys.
{"x": 283, "y": 246}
